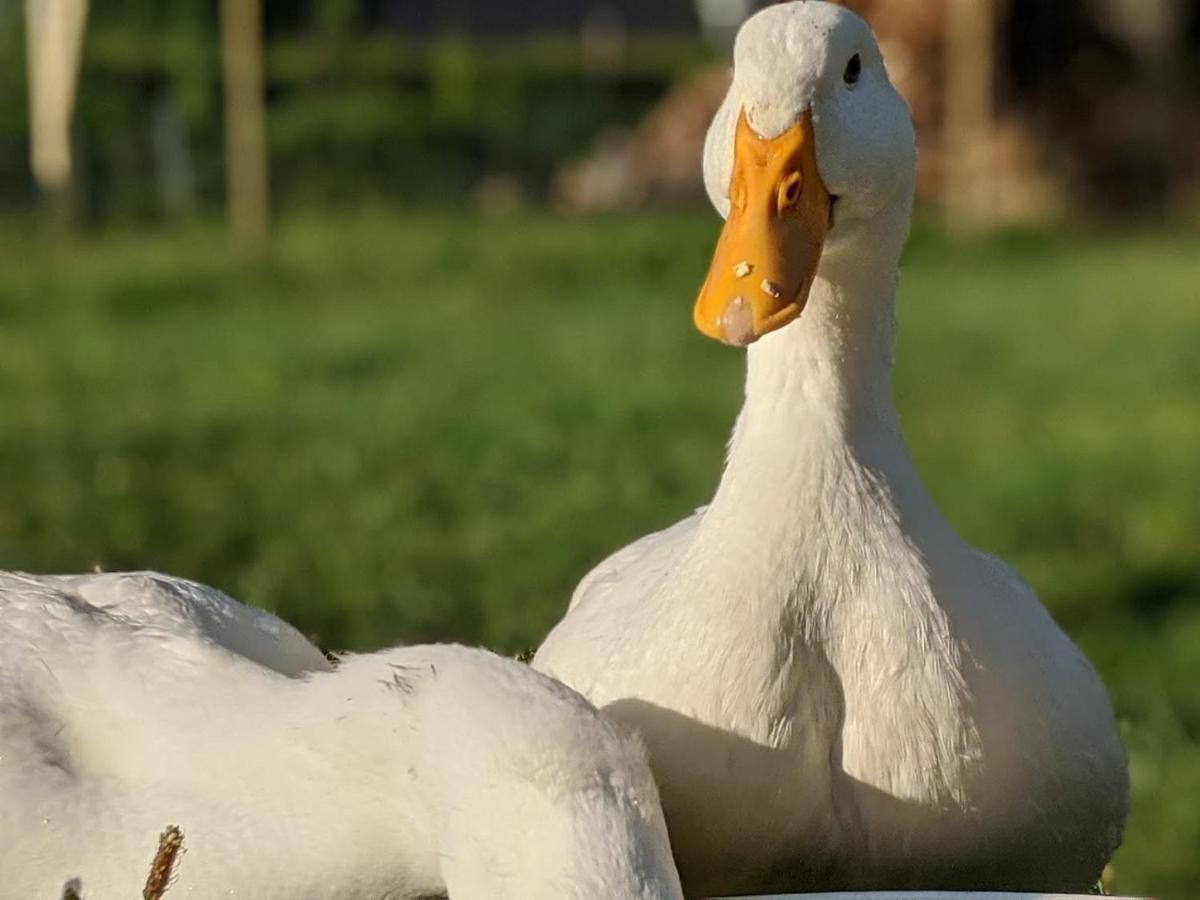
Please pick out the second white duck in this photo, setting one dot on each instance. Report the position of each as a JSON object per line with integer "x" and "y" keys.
{"x": 130, "y": 702}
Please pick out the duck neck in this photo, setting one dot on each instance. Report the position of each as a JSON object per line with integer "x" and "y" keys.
{"x": 826, "y": 379}
{"x": 832, "y": 368}
{"x": 818, "y": 439}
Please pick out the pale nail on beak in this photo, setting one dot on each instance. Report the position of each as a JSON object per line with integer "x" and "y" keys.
{"x": 737, "y": 323}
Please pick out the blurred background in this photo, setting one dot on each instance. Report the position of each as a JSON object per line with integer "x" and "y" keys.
{"x": 376, "y": 313}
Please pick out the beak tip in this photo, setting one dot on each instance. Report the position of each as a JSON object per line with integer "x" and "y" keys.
{"x": 737, "y": 323}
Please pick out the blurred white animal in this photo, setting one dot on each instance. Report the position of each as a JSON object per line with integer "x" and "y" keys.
{"x": 130, "y": 702}
{"x": 836, "y": 690}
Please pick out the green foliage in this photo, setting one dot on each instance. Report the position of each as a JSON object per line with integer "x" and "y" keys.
{"x": 418, "y": 428}
{"x": 349, "y": 116}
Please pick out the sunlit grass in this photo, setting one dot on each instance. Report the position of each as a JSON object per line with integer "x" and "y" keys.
{"x": 428, "y": 428}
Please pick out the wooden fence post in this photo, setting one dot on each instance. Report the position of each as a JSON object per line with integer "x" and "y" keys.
{"x": 970, "y": 82}
{"x": 246, "y": 178}
{"x": 54, "y": 44}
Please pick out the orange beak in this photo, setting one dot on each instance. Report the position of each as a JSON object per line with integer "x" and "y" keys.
{"x": 767, "y": 254}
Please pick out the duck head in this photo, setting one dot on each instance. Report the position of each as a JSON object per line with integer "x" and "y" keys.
{"x": 811, "y": 147}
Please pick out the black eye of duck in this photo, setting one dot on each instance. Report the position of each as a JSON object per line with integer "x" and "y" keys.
{"x": 853, "y": 70}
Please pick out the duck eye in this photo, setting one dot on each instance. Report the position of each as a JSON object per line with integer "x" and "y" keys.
{"x": 853, "y": 70}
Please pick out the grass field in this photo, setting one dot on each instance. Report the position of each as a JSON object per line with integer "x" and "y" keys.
{"x": 428, "y": 428}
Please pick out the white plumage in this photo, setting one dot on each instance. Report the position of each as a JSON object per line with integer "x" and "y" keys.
{"x": 130, "y": 702}
{"x": 835, "y": 689}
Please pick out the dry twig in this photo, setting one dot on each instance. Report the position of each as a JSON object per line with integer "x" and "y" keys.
{"x": 170, "y": 843}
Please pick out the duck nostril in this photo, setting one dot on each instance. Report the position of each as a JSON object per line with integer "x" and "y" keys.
{"x": 789, "y": 190}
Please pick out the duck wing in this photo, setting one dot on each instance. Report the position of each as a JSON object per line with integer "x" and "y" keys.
{"x": 638, "y": 567}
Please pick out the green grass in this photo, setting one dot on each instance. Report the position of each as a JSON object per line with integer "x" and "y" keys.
{"x": 428, "y": 428}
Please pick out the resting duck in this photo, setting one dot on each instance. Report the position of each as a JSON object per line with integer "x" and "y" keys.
{"x": 836, "y": 690}
{"x": 131, "y": 702}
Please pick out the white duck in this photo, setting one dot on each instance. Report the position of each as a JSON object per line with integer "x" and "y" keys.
{"x": 130, "y": 702}
{"x": 835, "y": 689}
